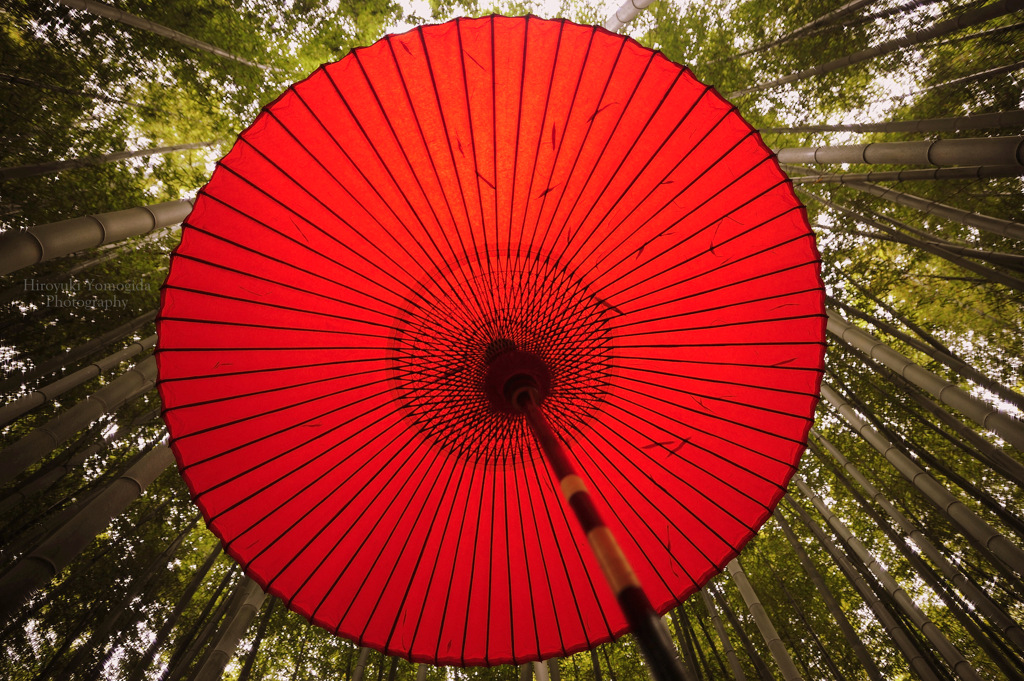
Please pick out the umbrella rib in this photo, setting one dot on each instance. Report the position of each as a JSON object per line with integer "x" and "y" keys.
{"x": 252, "y": 325}
{"x": 249, "y": 372}
{"x": 609, "y": 231}
{"x": 322, "y": 278}
{"x": 714, "y": 223}
{"x": 718, "y": 269}
{"x": 437, "y": 267}
{"x": 547, "y": 493}
{"x": 540, "y": 135}
{"x": 433, "y": 568}
{"x": 565, "y": 124}
{"x": 302, "y": 245}
{"x": 724, "y": 325}
{"x": 654, "y": 154}
{"x": 688, "y": 484}
{"x": 389, "y": 274}
{"x": 632, "y": 146}
{"x": 595, "y": 467}
{"x": 215, "y": 486}
{"x": 276, "y": 306}
{"x": 404, "y": 157}
{"x": 413, "y": 238}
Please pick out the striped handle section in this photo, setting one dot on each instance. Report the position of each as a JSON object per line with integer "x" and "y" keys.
{"x": 646, "y": 625}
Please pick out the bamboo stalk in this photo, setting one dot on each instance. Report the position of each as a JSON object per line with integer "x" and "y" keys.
{"x": 237, "y": 621}
{"x": 953, "y": 657}
{"x": 967, "y": 151}
{"x": 46, "y": 242}
{"x": 986, "y": 121}
{"x": 34, "y": 169}
{"x": 37, "y": 568}
{"x": 764, "y": 624}
{"x": 942, "y": 28}
{"x": 34, "y": 446}
{"x": 108, "y": 12}
{"x": 730, "y": 653}
{"x": 987, "y": 536}
{"x": 1006, "y": 427}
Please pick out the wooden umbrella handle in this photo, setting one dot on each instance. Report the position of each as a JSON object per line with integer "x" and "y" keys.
{"x": 646, "y": 625}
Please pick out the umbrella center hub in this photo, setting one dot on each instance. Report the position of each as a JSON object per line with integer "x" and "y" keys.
{"x": 510, "y": 373}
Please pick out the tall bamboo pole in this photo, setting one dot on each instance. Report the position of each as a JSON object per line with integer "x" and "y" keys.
{"x": 37, "y": 444}
{"x": 748, "y": 647}
{"x": 1003, "y": 425}
{"x": 987, "y": 536}
{"x": 108, "y": 12}
{"x": 70, "y": 164}
{"x": 626, "y": 12}
{"x": 974, "y": 151}
{"x": 136, "y": 672}
{"x": 985, "y": 121}
{"x": 968, "y": 18}
{"x": 42, "y": 395}
{"x": 236, "y": 623}
{"x": 913, "y": 175}
{"x": 939, "y": 249}
{"x": 803, "y": 30}
{"x": 978, "y": 598}
{"x": 37, "y": 568}
{"x": 997, "y": 226}
{"x": 49, "y": 241}
{"x": 730, "y": 653}
{"x": 78, "y": 352}
{"x": 764, "y": 624}
{"x": 918, "y": 661}
{"x": 360, "y": 670}
{"x": 962, "y": 368}
{"x": 953, "y": 657}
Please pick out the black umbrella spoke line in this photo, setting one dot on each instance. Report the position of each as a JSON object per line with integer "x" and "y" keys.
{"x": 451, "y": 249}
{"x": 703, "y": 412}
{"x": 571, "y": 527}
{"x": 685, "y": 425}
{"x": 715, "y": 381}
{"x": 634, "y": 286}
{"x": 279, "y": 456}
{"x": 520, "y": 497}
{"x": 547, "y": 491}
{"x": 252, "y": 372}
{"x": 402, "y": 497}
{"x": 670, "y": 250}
{"x": 633, "y": 89}
{"x": 472, "y": 151}
{"x": 636, "y": 320}
{"x": 604, "y": 150}
{"x": 540, "y": 136}
{"x": 624, "y": 257}
{"x": 684, "y": 481}
{"x": 422, "y": 559}
{"x": 786, "y": 271}
{"x": 305, "y": 246}
{"x": 434, "y": 264}
{"x": 277, "y": 388}
{"x": 549, "y": 183}
{"x": 275, "y": 306}
{"x": 605, "y": 232}
{"x": 326, "y": 500}
{"x": 643, "y": 169}
{"x": 372, "y": 243}
{"x": 784, "y": 365}
{"x": 385, "y": 273}
{"x": 277, "y": 282}
{"x": 475, "y": 248}
{"x": 752, "y": 323}
{"x": 700, "y": 397}
{"x": 604, "y": 491}
{"x": 472, "y": 580}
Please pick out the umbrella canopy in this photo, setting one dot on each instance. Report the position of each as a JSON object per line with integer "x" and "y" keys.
{"x": 393, "y": 223}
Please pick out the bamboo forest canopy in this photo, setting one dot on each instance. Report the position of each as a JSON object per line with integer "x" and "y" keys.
{"x": 898, "y": 552}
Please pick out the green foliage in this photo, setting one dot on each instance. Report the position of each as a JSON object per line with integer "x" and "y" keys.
{"x": 73, "y": 85}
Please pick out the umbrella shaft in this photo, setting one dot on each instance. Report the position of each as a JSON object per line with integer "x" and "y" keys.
{"x": 646, "y": 625}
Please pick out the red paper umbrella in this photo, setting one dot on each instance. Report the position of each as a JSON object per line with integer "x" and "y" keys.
{"x": 415, "y": 258}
